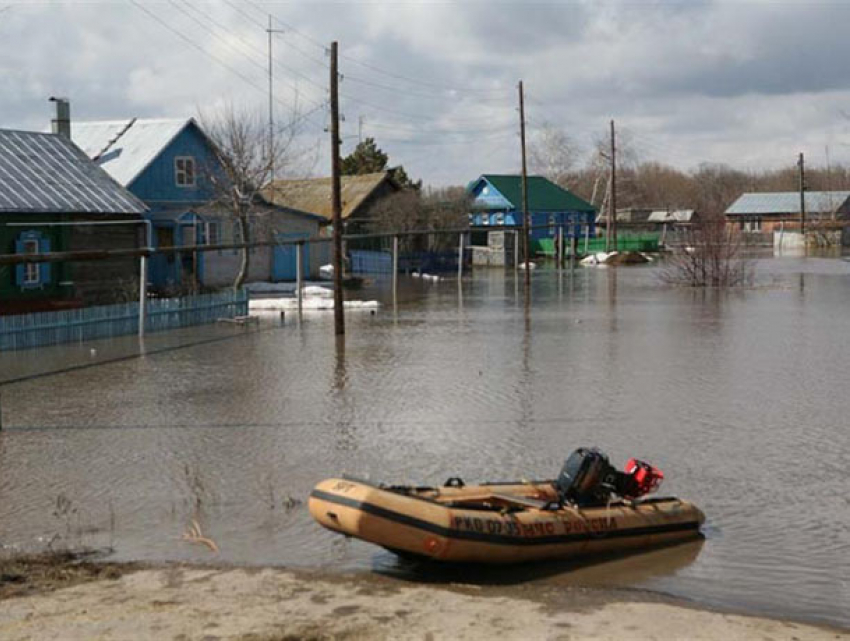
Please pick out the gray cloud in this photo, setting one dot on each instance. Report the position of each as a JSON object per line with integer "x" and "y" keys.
{"x": 744, "y": 83}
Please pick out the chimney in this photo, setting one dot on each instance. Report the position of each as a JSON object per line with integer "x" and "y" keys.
{"x": 61, "y": 124}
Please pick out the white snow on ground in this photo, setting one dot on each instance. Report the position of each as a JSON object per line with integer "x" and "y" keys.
{"x": 598, "y": 259}
{"x": 262, "y": 288}
{"x": 309, "y": 303}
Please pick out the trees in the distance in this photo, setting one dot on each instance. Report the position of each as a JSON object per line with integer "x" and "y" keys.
{"x": 368, "y": 158}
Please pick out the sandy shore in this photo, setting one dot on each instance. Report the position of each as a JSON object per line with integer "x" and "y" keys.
{"x": 180, "y": 602}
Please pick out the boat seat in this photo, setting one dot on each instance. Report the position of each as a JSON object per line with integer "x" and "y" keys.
{"x": 521, "y": 500}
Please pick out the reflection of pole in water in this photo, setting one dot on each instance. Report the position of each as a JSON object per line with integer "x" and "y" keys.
{"x": 339, "y": 363}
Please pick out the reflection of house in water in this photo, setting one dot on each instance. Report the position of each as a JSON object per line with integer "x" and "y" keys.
{"x": 496, "y": 218}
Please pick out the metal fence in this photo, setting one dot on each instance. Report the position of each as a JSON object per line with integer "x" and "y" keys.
{"x": 24, "y": 331}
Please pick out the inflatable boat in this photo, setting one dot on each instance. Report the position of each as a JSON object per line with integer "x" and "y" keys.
{"x": 582, "y": 512}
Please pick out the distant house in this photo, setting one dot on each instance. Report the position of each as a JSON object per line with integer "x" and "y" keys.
{"x": 772, "y": 211}
{"x": 167, "y": 164}
{"x": 359, "y": 195}
{"x": 497, "y": 203}
{"x": 45, "y": 183}
{"x": 672, "y": 217}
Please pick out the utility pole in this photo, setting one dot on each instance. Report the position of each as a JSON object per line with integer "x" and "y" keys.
{"x": 336, "y": 197}
{"x": 611, "y": 232}
{"x": 524, "y": 188}
{"x": 802, "y": 166}
{"x": 360, "y": 129}
{"x": 271, "y": 31}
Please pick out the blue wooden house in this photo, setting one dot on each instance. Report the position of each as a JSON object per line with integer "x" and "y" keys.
{"x": 497, "y": 202}
{"x": 166, "y": 163}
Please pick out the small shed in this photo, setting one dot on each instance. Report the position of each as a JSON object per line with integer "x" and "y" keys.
{"x": 49, "y": 189}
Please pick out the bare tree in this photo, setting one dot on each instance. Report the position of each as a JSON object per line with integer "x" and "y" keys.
{"x": 244, "y": 162}
{"x": 553, "y": 154}
{"x": 709, "y": 256}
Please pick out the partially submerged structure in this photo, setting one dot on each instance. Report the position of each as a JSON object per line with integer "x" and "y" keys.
{"x": 776, "y": 211}
{"x": 54, "y": 198}
{"x": 497, "y": 207}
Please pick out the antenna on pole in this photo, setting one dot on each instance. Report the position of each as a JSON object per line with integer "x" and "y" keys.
{"x": 271, "y": 31}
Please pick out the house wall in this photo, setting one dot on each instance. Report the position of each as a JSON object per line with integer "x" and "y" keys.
{"x": 220, "y": 267}
{"x": 157, "y": 185}
{"x": 114, "y": 280}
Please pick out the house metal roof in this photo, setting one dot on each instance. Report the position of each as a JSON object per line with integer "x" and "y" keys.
{"x": 125, "y": 148}
{"x": 314, "y": 194}
{"x": 543, "y": 194}
{"x": 46, "y": 173}
{"x": 787, "y": 202}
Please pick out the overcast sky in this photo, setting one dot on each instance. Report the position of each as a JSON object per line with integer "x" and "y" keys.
{"x": 747, "y": 84}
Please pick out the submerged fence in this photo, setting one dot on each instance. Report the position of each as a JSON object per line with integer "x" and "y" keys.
{"x": 24, "y": 331}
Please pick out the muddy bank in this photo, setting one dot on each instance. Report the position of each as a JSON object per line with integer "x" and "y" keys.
{"x": 84, "y": 601}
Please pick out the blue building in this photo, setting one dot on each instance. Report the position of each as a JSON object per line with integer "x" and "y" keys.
{"x": 166, "y": 163}
{"x": 497, "y": 202}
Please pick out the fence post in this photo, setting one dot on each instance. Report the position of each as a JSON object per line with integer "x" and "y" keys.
{"x": 460, "y": 257}
{"x": 143, "y": 293}
{"x": 559, "y": 255}
{"x": 1, "y": 411}
{"x": 299, "y": 275}
{"x": 516, "y": 250}
{"x": 586, "y": 236}
{"x": 395, "y": 262}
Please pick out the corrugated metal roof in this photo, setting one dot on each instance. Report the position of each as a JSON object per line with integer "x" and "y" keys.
{"x": 314, "y": 194}
{"x": 543, "y": 194}
{"x": 125, "y": 148}
{"x": 46, "y": 173}
{"x": 787, "y": 202}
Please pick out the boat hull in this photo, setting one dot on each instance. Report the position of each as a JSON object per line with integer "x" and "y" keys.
{"x": 444, "y": 531}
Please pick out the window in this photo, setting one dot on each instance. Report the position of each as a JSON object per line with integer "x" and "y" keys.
{"x": 32, "y": 275}
{"x": 184, "y": 171}
{"x": 500, "y": 219}
{"x": 32, "y": 271}
{"x": 213, "y": 233}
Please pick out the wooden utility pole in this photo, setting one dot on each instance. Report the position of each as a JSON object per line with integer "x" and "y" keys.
{"x": 802, "y": 166}
{"x": 524, "y": 188}
{"x": 611, "y": 231}
{"x": 336, "y": 197}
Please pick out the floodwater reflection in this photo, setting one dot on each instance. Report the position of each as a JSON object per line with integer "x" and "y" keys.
{"x": 740, "y": 397}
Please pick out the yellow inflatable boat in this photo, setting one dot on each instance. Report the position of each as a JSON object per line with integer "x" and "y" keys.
{"x": 499, "y": 522}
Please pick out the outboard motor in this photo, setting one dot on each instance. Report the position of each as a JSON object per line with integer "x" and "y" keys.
{"x": 587, "y": 477}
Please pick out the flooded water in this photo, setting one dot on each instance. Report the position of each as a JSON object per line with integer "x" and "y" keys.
{"x": 742, "y": 398}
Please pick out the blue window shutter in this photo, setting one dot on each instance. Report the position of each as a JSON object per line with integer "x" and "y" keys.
{"x": 44, "y": 271}
{"x": 19, "y": 269}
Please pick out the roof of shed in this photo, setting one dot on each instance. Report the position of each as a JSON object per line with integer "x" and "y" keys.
{"x": 126, "y": 147}
{"x": 671, "y": 216}
{"x": 46, "y": 173}
{"x": 314, "y": 194}
{"x": 787, "y": 202}
{"x": 543, "y": 194}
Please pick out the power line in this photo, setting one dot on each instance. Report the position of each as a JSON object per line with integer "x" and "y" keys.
{"x": 503, "y": 93}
